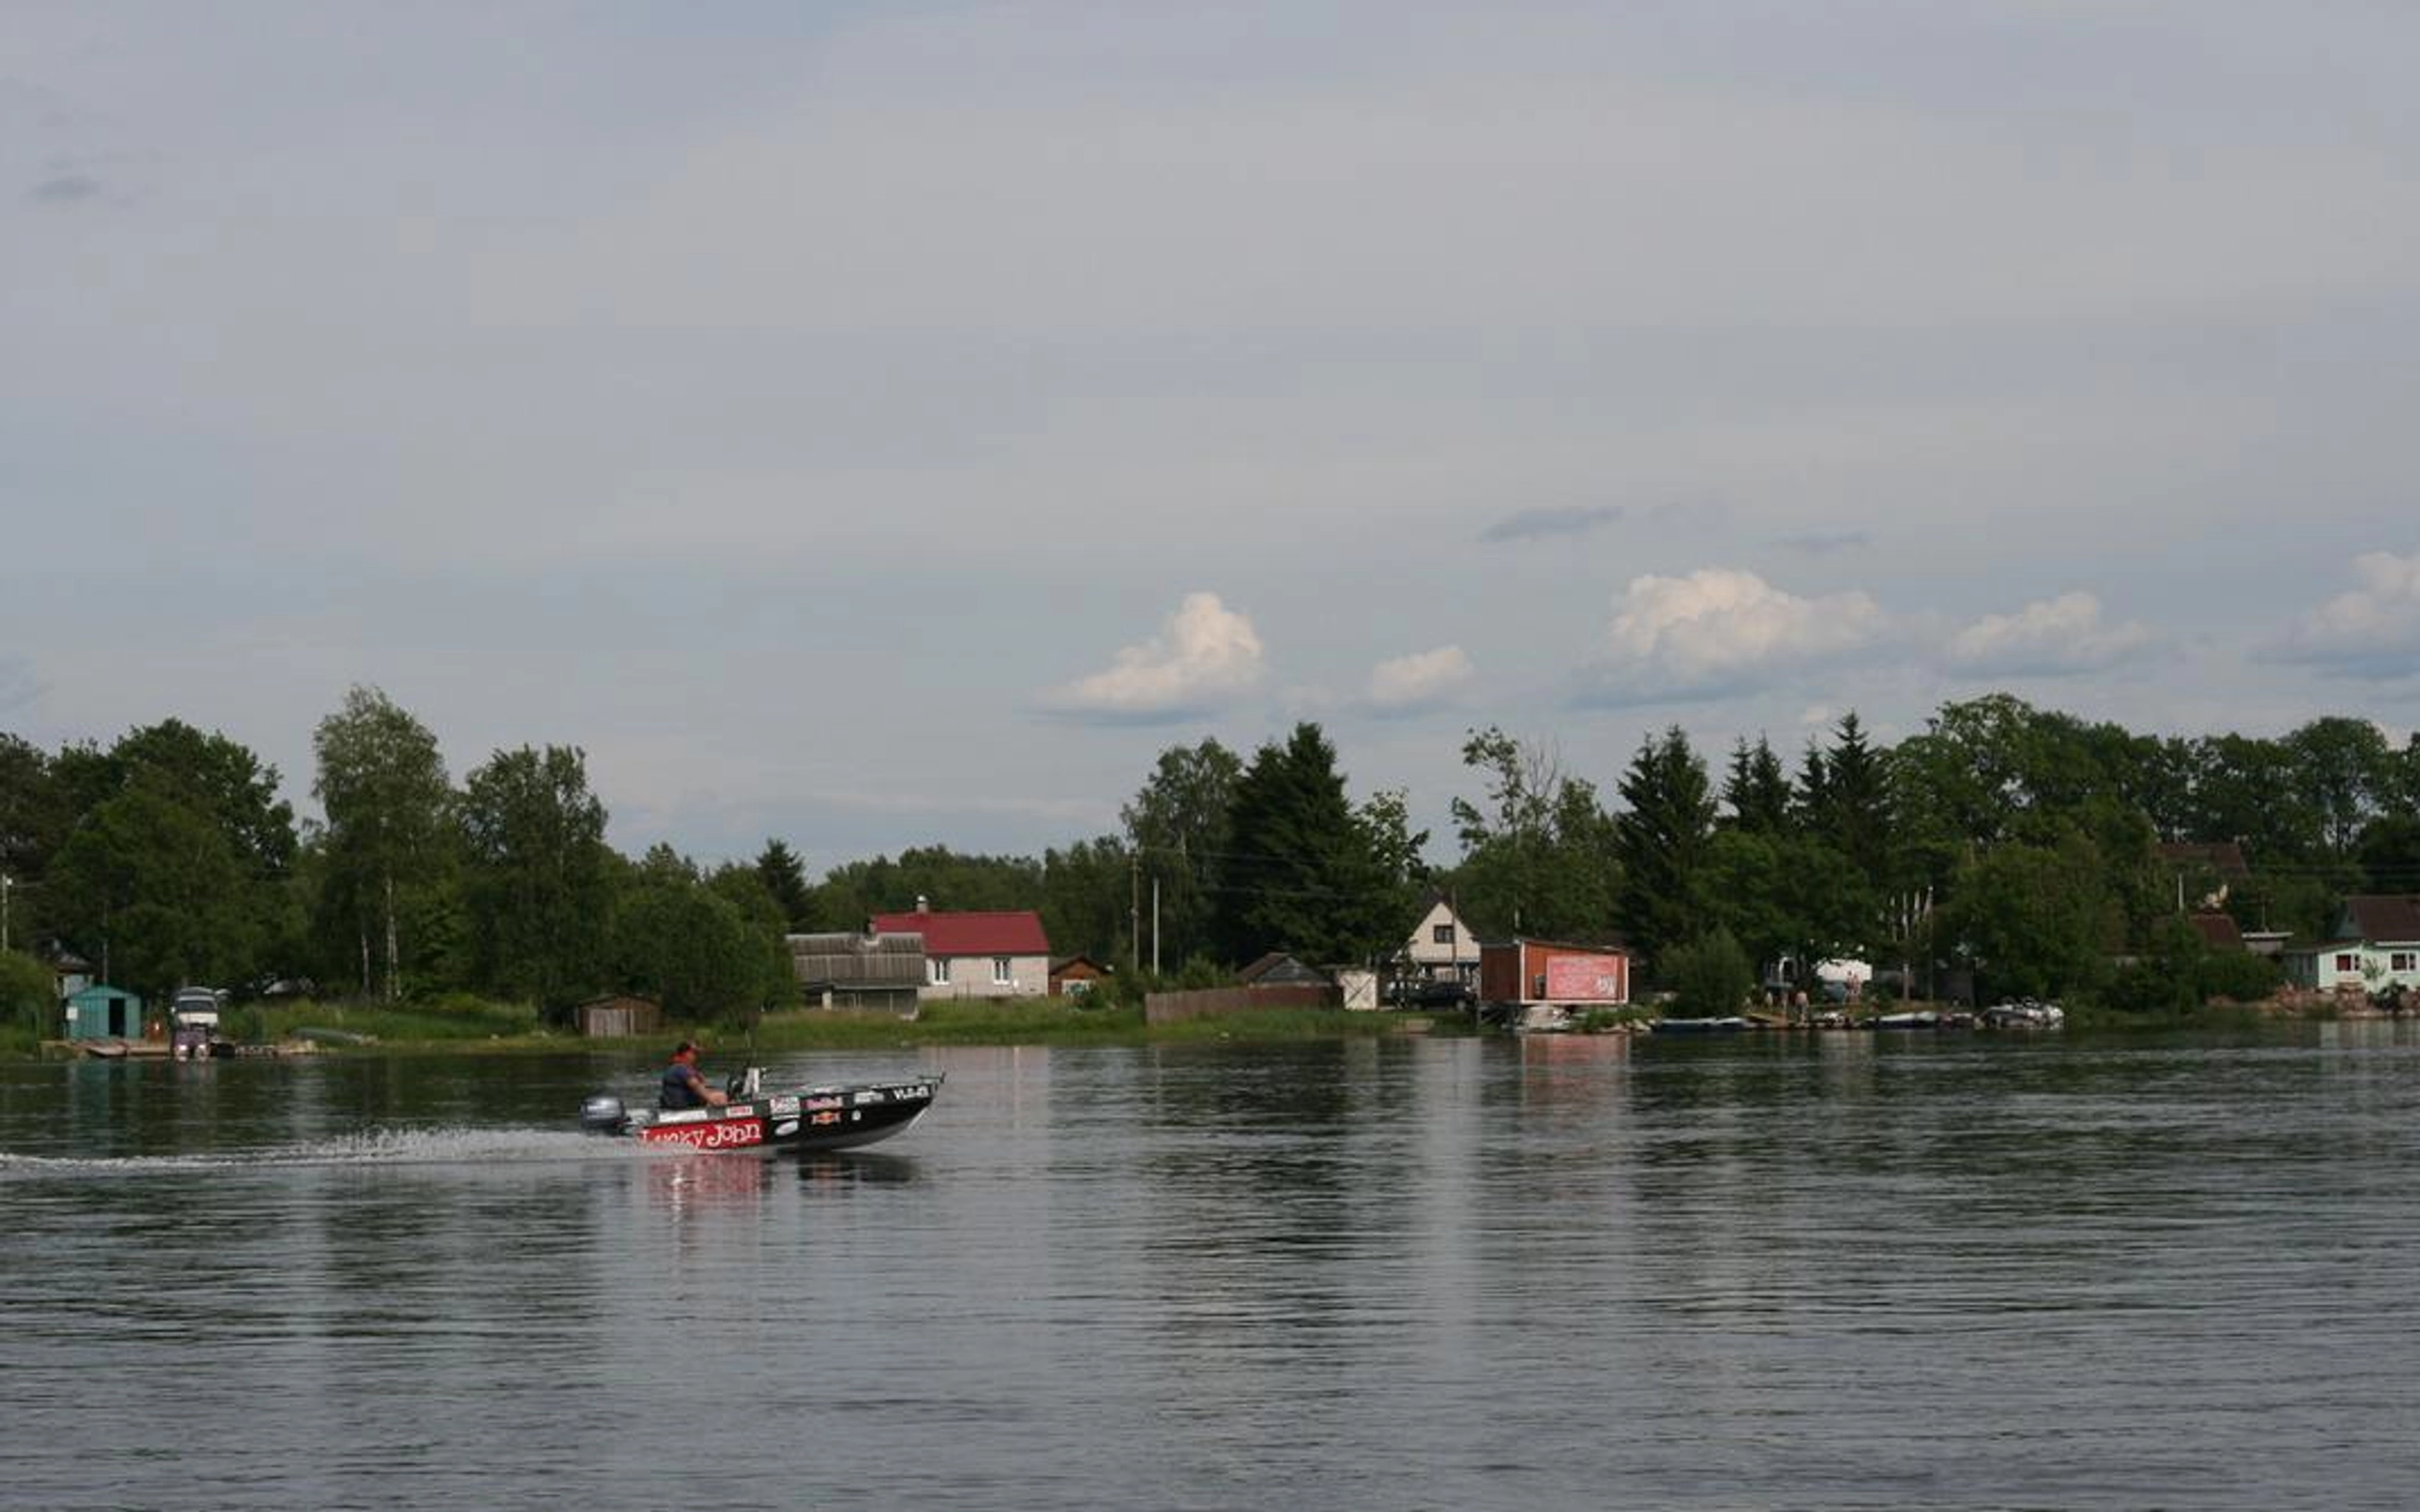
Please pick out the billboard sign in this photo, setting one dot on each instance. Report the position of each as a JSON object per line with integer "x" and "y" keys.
{"x": 1587, "y": 979}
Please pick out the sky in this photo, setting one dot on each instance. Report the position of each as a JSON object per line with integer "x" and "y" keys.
{"x": 873, "y": 425}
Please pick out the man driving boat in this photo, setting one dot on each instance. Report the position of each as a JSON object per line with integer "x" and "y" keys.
{"x": 683, "y": 1086}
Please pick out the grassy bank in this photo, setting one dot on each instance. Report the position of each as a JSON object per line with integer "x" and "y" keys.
{"x": 475, "y": 1025}
{"x": 446, "y": 1022}
{"x": 1056, "y": 1022}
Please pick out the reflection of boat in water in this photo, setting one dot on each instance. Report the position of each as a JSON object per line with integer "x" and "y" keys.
{"x": 756, "y": 1121}
{"x": 854, "y": 1168}
{"x": 1731, "y": 1024}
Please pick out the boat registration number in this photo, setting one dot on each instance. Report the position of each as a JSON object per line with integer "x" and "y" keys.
{"x": 730, "y": 1135}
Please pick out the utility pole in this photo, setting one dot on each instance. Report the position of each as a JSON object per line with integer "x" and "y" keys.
{"x": 7, "y": 882}
{"x": 1134, "y": 908}
{"x": 1155, "y": 926}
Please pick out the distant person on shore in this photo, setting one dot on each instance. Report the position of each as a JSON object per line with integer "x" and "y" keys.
{"x": 683, "y": 1086}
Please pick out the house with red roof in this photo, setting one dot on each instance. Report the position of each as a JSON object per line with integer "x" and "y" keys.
{"x": 996, "y": 953}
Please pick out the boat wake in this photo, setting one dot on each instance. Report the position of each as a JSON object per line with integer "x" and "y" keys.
{"x": 376, "y": 1147}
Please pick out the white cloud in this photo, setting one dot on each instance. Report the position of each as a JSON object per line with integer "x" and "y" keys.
{"x": 1419, "y": 682}
{"x": 1720, "y": 631}
{"x": 1204, "y": 654}
{"x": 2370, "y": 631}
{"x": 2049, "y": 638}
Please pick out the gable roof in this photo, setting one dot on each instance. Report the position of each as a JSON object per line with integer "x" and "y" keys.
{"x": 1005, "y": 932}
{"x": 1278, "y": 968}
{"x": 2219, "y": 932}
{"x": 2380, "y": 917}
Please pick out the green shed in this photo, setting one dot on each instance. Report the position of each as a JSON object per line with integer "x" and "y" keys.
{"x": 104, "y": 1013}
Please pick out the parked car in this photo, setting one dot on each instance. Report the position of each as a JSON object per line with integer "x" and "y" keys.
{"x": 1415, "y": 992}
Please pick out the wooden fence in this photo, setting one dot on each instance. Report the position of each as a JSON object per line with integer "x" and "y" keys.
{"x": 1170, "y": 1008}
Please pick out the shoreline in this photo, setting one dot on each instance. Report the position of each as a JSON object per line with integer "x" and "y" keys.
{"x": 1007, "y": 1024}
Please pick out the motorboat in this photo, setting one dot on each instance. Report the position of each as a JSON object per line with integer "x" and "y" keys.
{"x": 2025, "y": 1013}
{"x": 754, "y": 1121}
{"x": 1919, "y": 1019}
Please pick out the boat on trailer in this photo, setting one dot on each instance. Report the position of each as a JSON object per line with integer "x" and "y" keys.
{"x": 755, "y": 1122}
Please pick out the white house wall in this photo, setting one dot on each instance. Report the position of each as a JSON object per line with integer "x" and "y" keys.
{"x": 2371, "y": 967}
{"x": 970, "y": 976}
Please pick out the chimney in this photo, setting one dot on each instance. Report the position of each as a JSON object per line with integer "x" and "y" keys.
{"x": 924, "y": 905}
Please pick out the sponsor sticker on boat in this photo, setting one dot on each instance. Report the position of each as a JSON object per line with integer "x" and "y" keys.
{"x": 728, "y": 1134}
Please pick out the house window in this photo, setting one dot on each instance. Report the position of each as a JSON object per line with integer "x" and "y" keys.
{"x": 1001, "y": 974}
{"x": 937, "y": 970}
{"x": 2346, "y": 962}
{"x": 2403, "y": 961}
{"x": 1441, "y": 933}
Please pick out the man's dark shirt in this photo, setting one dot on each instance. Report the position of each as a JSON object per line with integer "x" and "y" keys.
{"x": 678, "y": 1092}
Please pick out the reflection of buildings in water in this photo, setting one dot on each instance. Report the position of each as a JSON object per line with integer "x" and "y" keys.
{"x": 1005, "y": 1086}
{"x": 1570, "y": 1060}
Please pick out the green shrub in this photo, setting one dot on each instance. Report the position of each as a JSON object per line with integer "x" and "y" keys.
{"x": 1710, "y": 976}
{"x": 26, "y": 997}
{"x": 2238, "y": 976}
{"x": 2149, "y": 987}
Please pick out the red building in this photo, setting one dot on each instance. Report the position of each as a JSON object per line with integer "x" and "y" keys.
{"x": 1537, "y": 971}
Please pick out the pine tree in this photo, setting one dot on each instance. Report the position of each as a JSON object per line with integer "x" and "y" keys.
{"x": 1661, "y": 838}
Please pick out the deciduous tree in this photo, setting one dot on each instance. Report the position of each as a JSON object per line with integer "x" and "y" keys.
{"x": 534, "y": 838}
{"x": 1177, "y": 835}
{"x": 1538, "y": 857}
{"x": 390, "y": 842}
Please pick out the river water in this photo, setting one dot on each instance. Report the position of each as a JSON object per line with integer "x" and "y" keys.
{"x": 1894, "y": 1271}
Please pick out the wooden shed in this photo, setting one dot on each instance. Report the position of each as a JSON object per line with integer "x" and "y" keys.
{"x": 850, "y": 970}
{"x": 618, "y": 1016}
{"x": 1074, "y": 977}
{"x": 1523, "y": 971}
{"x": 1277, "y": 968}
{"x": 104, "y": 1012}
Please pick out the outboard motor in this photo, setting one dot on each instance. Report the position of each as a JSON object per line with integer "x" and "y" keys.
{"x": 603, "y": 1114}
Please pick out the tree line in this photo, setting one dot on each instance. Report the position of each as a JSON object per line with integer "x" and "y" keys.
{"x": 2014, "y": 846}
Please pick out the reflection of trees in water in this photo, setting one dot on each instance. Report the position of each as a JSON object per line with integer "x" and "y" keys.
{"x": 1276, "y": 1189}
{"x": 1892, "y": 1163}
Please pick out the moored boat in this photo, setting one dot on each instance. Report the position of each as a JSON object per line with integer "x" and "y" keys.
{"x": 2025, "y": 1014}
{"x": 1920, "y": 1019}
{"x": 758, "y": 1122}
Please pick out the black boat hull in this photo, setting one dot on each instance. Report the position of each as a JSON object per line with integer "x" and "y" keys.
{"x": 806, "y": 1118}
